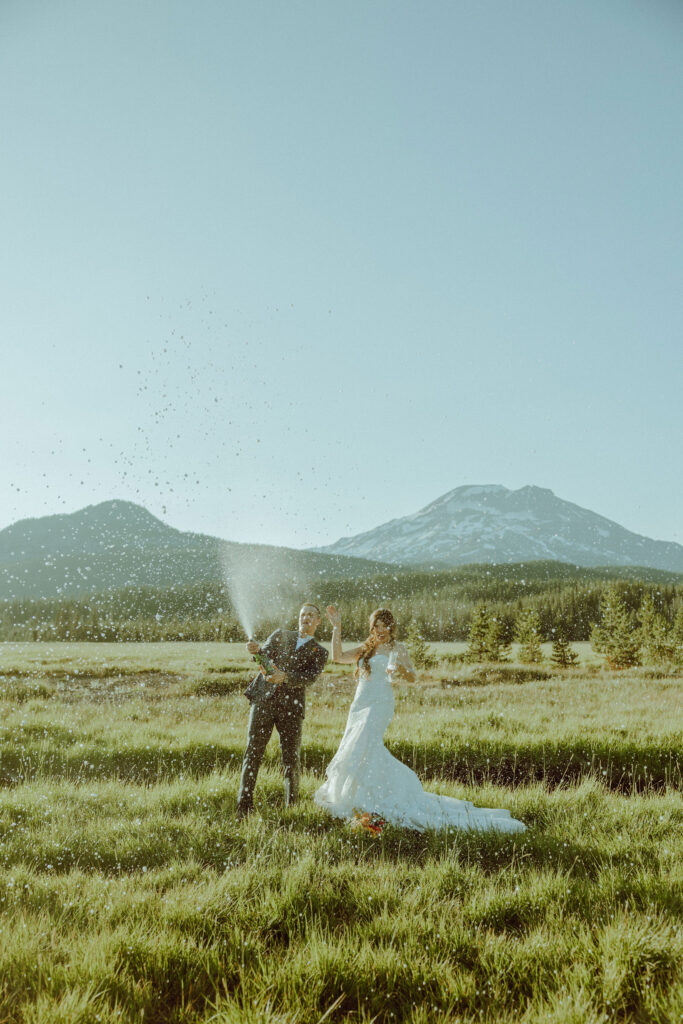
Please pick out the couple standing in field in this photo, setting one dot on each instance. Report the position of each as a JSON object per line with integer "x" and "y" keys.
{"x": 362, "y": 778}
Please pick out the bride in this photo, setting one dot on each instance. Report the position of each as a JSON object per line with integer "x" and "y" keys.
{"x": 363, "y": 776}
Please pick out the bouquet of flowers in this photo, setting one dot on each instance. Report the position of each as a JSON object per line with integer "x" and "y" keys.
{"x": 368, "y": 821}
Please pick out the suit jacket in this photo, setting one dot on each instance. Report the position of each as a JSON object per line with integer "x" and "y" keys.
{"x": 300, "y": 667}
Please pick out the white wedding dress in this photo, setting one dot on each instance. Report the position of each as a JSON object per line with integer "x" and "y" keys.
{"x": 364, "y": 776}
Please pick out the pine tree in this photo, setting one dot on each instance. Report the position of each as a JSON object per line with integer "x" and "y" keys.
{"x": 563, "y": 654}
{"x": 656, "y": 638}
{"x": 615, "y": 637}
{"x": 480, "y": 628}
{"x": 528, "y": 636}
{"x": 420, "y": 651}
{"x": 677, "y": 636}
{"x": 498, "y": 646}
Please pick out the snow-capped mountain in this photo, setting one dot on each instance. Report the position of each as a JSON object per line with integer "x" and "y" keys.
{"x": 490, "y": 523}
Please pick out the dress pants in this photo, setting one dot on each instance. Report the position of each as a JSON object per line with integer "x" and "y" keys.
{"x": 284, "y": 711}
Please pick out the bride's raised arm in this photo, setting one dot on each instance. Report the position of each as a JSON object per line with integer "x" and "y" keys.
{"x": 338, "y": 655}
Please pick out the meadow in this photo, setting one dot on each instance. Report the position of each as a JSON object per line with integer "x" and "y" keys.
{"x": 129, "y": 890}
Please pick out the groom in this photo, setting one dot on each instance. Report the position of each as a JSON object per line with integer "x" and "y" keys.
{"x": 278, "y": 700}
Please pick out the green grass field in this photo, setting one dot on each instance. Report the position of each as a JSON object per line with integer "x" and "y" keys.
{"x": 130, "y": 892}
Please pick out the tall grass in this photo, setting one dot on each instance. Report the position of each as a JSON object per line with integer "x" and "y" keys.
{"x": 130, "y": 891}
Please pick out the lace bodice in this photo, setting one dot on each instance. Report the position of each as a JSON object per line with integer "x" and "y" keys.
{"x": 374, "y": 688}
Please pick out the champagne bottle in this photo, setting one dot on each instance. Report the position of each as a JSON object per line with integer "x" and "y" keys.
{"x": 264, "y": 661}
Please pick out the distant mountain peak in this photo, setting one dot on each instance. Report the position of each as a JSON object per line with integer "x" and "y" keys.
{"x": 91, "y": 529}
{"x": 470, "y": 492}
{"x": 118, "y": 509}
{"x": 491, "y": 523}
{"x": 118, "y": 543}
{"x": 115, "y": 505}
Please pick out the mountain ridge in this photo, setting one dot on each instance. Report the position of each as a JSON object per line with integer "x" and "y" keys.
{"x": 116, "y": 544}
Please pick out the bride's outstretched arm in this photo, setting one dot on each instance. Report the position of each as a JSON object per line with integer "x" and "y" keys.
{"x": 340, "y": 656}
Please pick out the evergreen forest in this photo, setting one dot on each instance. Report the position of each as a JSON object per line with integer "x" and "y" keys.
{"x": 529, "y": 602}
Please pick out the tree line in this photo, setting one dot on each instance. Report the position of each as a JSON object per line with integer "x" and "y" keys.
{"x": 563, "y": 601}
{"x": 627, "y": 636}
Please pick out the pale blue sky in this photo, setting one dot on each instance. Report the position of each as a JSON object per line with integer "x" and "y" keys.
{"x": 283, "y": 271}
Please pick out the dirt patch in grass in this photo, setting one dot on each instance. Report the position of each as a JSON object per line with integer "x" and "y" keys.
{"x": 485, "y": 675}
{"x": 217, "y": 687}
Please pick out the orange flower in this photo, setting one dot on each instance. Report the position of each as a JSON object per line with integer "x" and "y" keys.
{"x": 369, "y": 821}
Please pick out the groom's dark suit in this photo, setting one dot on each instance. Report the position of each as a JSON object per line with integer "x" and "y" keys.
{"x": 281, "y": 706}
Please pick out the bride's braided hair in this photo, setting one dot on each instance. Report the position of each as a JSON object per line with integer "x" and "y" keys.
{"x": 372, "y": 643}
